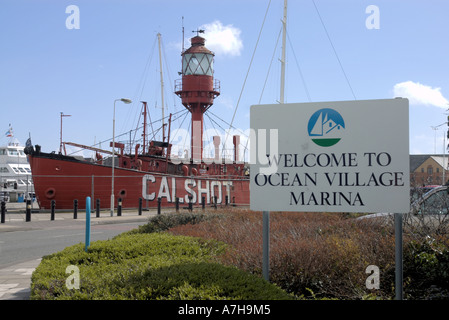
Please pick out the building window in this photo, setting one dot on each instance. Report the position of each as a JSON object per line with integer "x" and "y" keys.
{"x": 429, "y": 170}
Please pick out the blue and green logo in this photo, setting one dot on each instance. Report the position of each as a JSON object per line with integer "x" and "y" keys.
{"x": 325, "y": 127}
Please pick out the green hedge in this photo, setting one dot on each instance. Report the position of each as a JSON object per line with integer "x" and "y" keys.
{"x": 163, "y": 222}
{"x": 148, "y": 266}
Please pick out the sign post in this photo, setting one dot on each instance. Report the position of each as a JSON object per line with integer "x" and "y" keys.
{"x": 337, "y": 156}
{"x": 266, "y": 246}
{"x": 398, "y": 256}
{"x": 87, "y": 239}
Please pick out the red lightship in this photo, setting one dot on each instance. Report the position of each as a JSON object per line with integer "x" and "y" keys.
{"x": 151, "y": 172}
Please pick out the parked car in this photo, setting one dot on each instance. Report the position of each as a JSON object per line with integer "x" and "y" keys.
{"x": 435, "y": 201}
{"x": 428, "y": 200}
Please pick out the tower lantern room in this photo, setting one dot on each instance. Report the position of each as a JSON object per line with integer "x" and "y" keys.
{"x": 197, "y": 89}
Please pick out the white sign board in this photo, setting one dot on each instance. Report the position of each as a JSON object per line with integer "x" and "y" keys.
{"x": 341, "y": 156}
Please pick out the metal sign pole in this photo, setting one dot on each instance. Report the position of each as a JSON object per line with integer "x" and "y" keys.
{"x": 87, "y": 241}
{"x": 398, "y": 256}
{"x": 266, "y": 246}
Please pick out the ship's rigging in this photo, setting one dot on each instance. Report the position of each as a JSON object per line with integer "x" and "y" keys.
{"x": 150, "y": 128}
{"x": 157, "y": 129}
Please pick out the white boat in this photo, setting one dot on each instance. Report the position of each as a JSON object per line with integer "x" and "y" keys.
{"x": 16, "y": 183}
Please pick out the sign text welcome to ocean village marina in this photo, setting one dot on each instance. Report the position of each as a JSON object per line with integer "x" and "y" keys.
{"x": 342, "y": 156}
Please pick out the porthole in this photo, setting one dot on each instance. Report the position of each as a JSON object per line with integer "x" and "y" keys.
{"x": 50, "y": 193}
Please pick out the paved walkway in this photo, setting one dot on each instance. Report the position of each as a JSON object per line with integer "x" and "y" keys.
{"x": 15, "y": 280}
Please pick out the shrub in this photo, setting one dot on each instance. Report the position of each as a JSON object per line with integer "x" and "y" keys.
{"x": 148, "y": 266}
{"x": 163, "y": 222}
{"x": 322, "y": 255}
{"x": 316, "y": 255}
{"x": 426, "y": 269}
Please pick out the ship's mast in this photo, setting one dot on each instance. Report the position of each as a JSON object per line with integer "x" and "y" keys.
{"x": 162, "y": 87}
{"x": 266, "y": 214}
{"x": 60, "y": 132}
{"x": 284, "y": 35}
{"x": 144, "y": 135}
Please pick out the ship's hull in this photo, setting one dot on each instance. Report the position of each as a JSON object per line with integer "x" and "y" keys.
{"x": 64, "y": 179}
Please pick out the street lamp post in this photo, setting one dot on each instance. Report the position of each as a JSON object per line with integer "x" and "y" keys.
{"x": 127, "y": 101}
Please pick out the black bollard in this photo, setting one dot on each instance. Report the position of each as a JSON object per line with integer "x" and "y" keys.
{"x": 159, "y": 205}
{"x": 177, "y": 204}
{"x": 75, "y": 209}
{"x": 140, "y": 206}
{"x": 3, "y": 212}
{"x": 226, "y": 200}
{"x": 119, "y": 208}
{"x": 190, "y": 204}
{"x": 215, "y": 202}
{"x": 98, "y": 208}
{"x": 52, "y": 209}
{"x": 28, "y": 212}
{"x": 203, "y": 202}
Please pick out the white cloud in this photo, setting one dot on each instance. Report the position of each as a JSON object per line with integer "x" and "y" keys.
{"x": 223, "y": 40}
{"x": 420, "y": 94}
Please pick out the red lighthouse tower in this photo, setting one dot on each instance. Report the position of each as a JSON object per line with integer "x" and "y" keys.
{"x": 197, "y": 89}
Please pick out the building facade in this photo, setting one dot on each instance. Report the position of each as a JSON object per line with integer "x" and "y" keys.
{"x": 428, "y": 169}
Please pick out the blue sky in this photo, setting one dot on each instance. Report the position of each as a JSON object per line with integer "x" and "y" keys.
{"x": 47, "y": 68}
